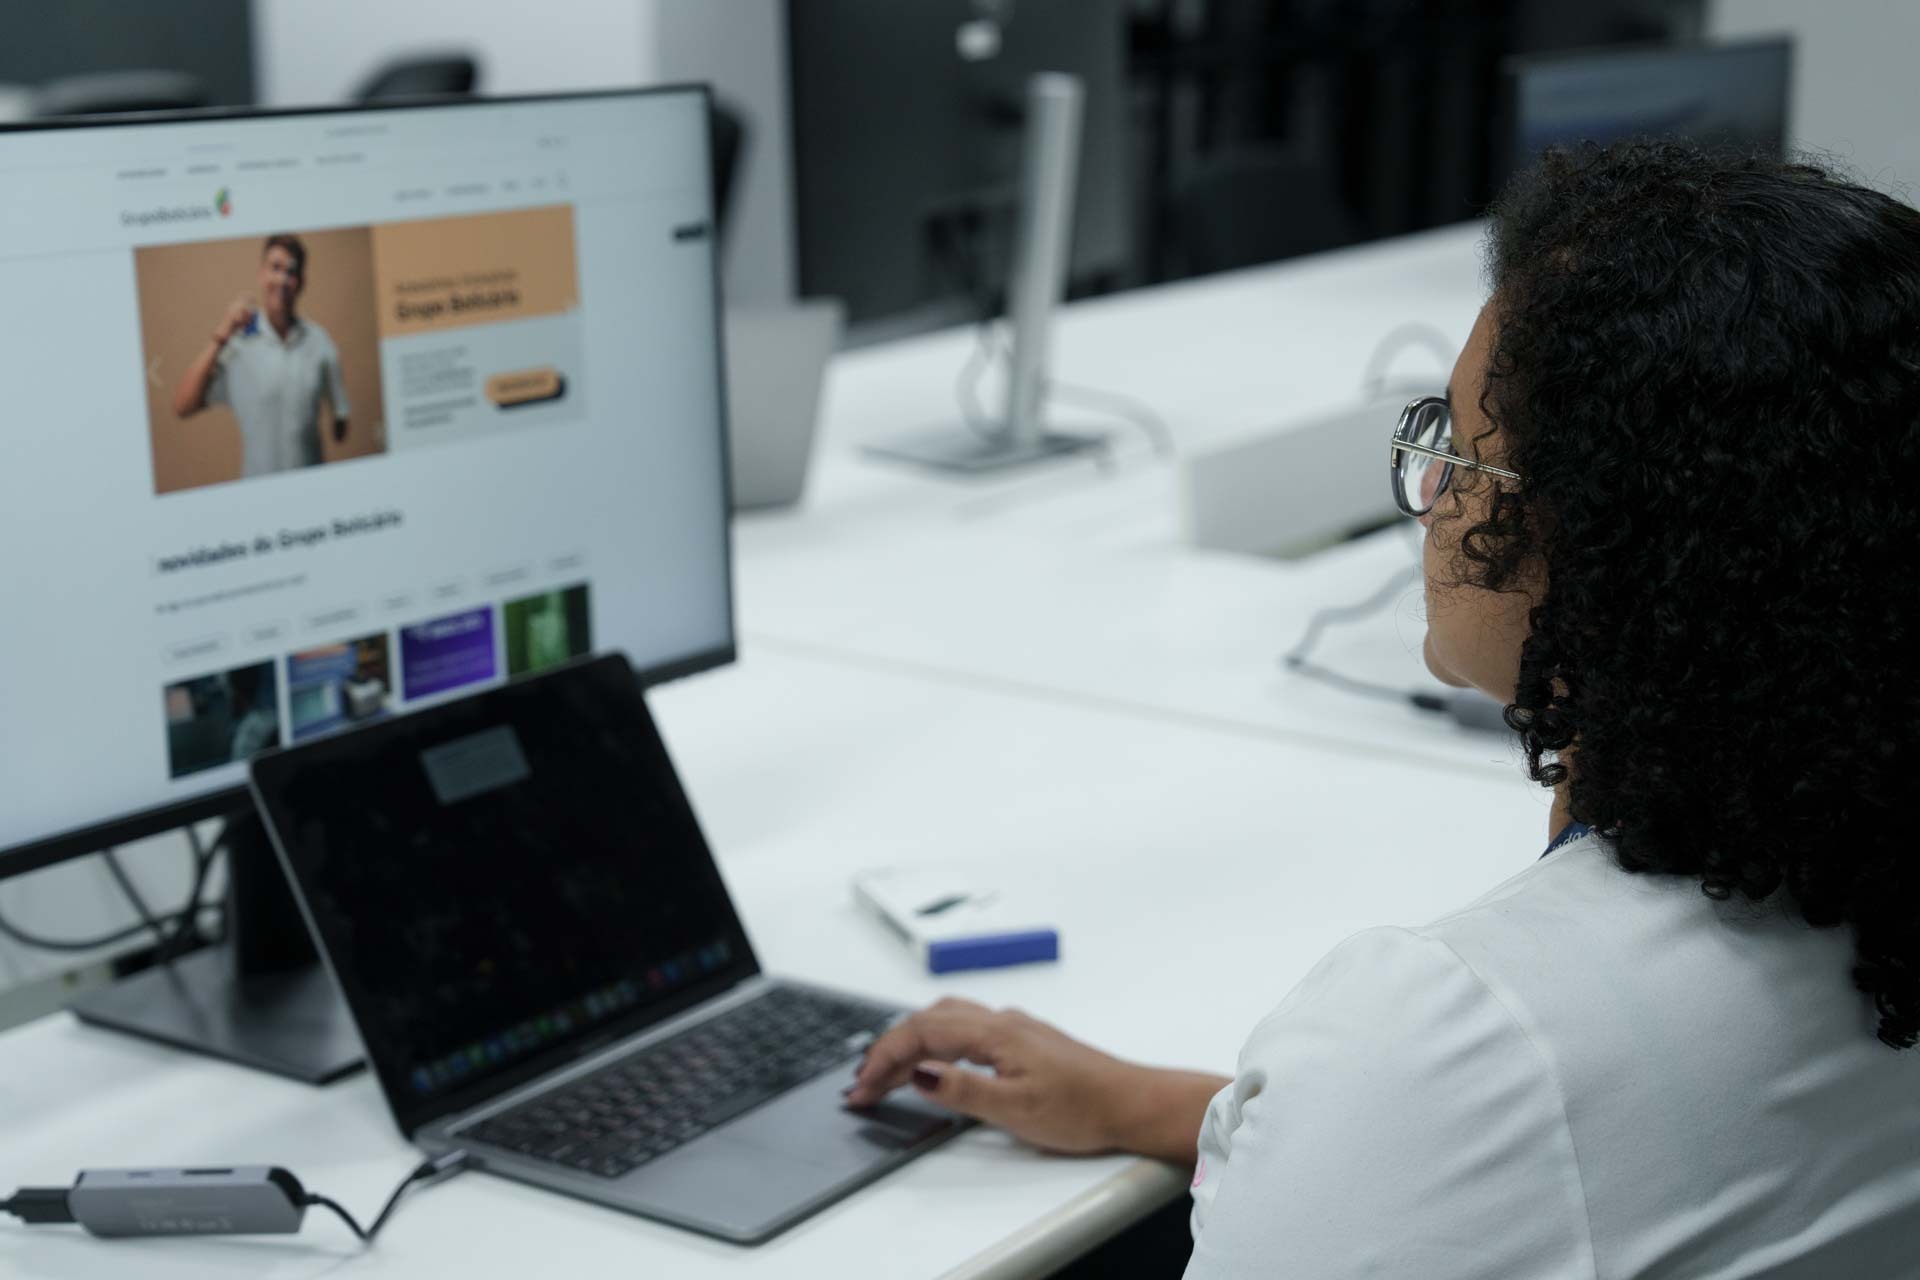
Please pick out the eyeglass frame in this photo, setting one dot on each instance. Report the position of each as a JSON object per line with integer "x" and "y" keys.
{"x": 1399, "y": 445}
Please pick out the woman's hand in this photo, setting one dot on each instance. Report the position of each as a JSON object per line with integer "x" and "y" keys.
{"x": 1045, "y": 1087}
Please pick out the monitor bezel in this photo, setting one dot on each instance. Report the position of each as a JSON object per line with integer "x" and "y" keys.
{"x": 79, "y": 842}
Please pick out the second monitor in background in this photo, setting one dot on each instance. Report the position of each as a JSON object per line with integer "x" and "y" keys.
{"x": 1721, "y": 95}
{"x": 909, "y": 122}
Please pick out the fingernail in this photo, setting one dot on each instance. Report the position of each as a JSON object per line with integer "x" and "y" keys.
{"x": 848, "y": 1091}
{"x": 926, "y": 1078}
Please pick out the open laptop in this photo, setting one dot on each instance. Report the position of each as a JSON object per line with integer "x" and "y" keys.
{"x": 516, "y": 901}
{"x": 776, "y": 359}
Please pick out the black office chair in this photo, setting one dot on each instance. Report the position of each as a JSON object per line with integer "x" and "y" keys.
{"x": 729, "y": 145}
{"x": 453, "y": 75}
{"x": 105, "y": 92}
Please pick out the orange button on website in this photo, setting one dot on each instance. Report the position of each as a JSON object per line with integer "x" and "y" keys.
{"x": 506, "y": 389}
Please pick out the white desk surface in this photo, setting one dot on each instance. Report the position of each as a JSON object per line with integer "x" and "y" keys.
{"x": 1031, "y": 675}
{"x": 1196, "y": 876}
{"x": 1073, "y": 582}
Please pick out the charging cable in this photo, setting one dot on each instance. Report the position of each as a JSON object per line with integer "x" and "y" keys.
{"x": 242, "y": 1200}
{"x": 1468, "y": 708}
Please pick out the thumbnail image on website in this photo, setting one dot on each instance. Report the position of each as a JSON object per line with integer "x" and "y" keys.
{"x": 447, "y": 653}
{"x": 266, "y": 354}
{"x": 547, "y": 629}
{"x": 220, "y": 718}
{"x": 336, "y": 686}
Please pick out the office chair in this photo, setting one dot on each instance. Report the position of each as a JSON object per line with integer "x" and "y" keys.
{"x": 729, "y": 145}
{"x": 436, "y": 76}
{"x": 104, "y": 92}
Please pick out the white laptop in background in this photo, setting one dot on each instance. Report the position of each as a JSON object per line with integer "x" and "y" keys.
{"x": 776, "y": 359}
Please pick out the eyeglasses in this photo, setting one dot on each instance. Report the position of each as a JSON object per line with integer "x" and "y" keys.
{"x": 1422, "y": 456}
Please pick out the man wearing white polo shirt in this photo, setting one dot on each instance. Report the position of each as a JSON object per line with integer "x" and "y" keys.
{"x": 271, "y": 366}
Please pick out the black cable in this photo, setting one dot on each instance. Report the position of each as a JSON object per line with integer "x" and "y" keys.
{"x": 1348, "y": 684}
{"x": 133, "y": 896}
{"x": 1320, "y": 621}
{"x": 187, "y": 924}
{"x": 38, "y": 1206}
{"x": 38, "y": 943}
{"x": 1296, "y": 659}
{"x": 428, "y": 1170}
{"x": 1465, "y": 707}
{"x": 168, "y": 945}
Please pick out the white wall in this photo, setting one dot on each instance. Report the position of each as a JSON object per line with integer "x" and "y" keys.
{"x": 740, "y": 47}
{"x": 1855, "y": 94}
{"x": 317, "y": 51}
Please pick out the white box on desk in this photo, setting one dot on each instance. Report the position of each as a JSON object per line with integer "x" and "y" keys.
{"x": 951, "y": 920}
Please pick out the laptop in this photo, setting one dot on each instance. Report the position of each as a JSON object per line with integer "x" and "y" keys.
{"x": 776, "y": 359}
{"x": 517, "y": 904}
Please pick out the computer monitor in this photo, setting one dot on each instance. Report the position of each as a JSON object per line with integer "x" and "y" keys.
{"x": 1723, "y": 95}
{"x": 320, "y": 416}
{"x": 908, "y": 124}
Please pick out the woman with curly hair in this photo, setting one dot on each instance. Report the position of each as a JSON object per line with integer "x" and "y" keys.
{"x": 1673, "y": 508}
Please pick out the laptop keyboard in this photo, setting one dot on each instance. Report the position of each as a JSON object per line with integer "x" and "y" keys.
{"x": 665, "y": 1095}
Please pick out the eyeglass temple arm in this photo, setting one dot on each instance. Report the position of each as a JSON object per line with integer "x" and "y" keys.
{"x": 1397, "y": 447}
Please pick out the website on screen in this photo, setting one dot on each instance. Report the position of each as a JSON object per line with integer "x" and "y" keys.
{"x": 315, "y": 418}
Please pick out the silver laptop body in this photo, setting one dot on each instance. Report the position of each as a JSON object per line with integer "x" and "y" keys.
{"x": 514, "y": 898}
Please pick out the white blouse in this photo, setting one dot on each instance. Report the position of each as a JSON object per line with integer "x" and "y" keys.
{"x": 1586, "y": 1073}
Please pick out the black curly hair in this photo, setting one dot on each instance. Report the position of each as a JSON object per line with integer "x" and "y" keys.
{"x": 1706, "y": 370}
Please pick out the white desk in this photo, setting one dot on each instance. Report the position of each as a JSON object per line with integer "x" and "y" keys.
{"x": 1073, "y": 583}
{"x": 1198, "y": 875}
{"x": 1031, "y": 674}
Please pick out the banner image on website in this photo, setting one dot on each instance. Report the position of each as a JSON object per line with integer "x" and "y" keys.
{"x": 339, "y": 685}
{"x": 479, "y": 323}
{"x": 260, "y": 354}
{"x": 220, "y": 718}
{"x": 273, "y": 353}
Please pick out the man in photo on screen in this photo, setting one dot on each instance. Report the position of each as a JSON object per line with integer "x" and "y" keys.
{"x": 271, "y": 366}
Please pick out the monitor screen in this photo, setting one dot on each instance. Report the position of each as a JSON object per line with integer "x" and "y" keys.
{"x": 1732, "y": 95}
{"x": 318, "y": 417}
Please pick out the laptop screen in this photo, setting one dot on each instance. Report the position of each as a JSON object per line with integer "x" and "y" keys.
{"x": 504, "y": 882}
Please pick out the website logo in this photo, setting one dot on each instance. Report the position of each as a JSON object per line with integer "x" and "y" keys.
{"x": 222, "y": 203}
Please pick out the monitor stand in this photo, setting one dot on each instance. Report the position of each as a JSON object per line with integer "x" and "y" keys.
{"x": 1043, "y": 239}
{"x": 261, "y": 999}
{"x": 966, "y": 452}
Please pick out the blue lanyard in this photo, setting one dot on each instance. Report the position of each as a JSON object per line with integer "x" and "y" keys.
{"x": 1568, "y": 834}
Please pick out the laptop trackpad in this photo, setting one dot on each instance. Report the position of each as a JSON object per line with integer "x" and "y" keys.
{"x": 811, "y": 1124}
{"x": 787, "y": 1153}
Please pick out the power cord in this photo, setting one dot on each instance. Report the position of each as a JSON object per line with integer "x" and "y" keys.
{"x": 426, "y": 1172}
{"x": 1397, "y": 339}
{"x": 1468, "y": 708}
{"x": 962, "y": 254}
{"x": 168, "y": 943}
{"x": 991, "y": 346}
